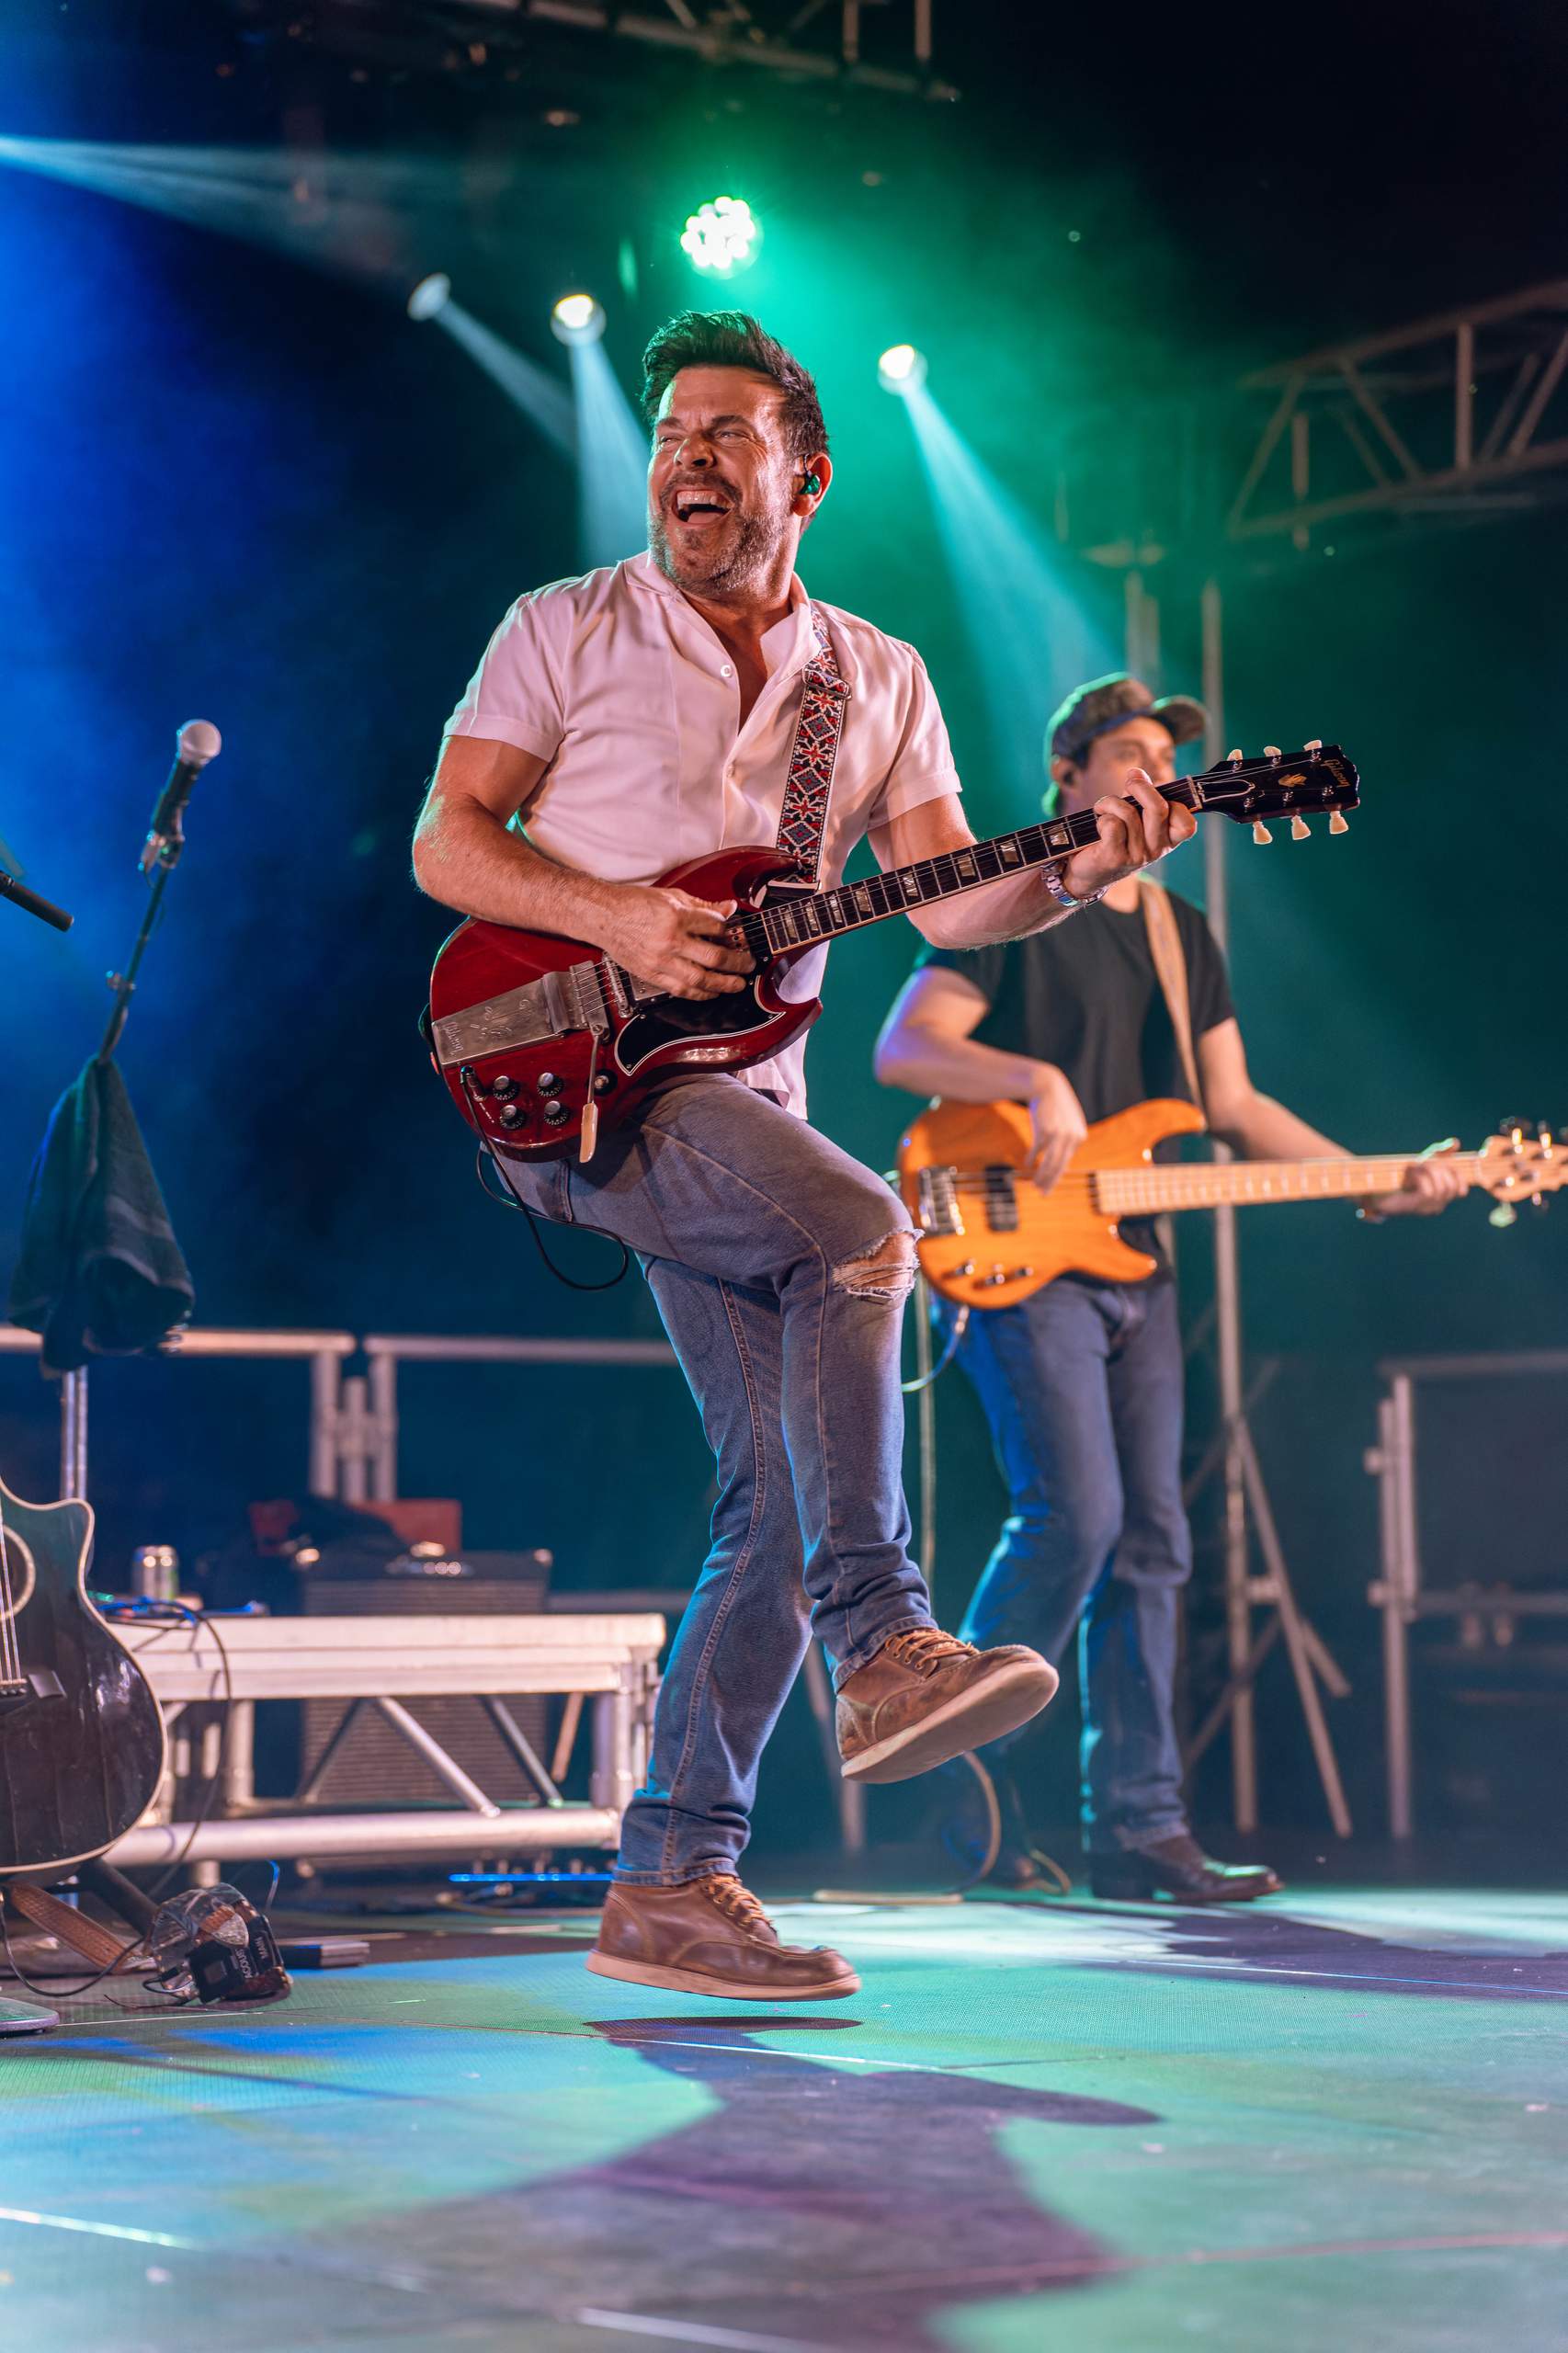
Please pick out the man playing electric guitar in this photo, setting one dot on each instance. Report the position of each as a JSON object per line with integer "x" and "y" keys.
{"x": 1082, "y": 1382}
{"x": 617, "y": 723}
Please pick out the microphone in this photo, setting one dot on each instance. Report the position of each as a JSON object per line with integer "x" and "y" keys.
{"x": 45, "y": 909}
{"x": 196, "y": 742}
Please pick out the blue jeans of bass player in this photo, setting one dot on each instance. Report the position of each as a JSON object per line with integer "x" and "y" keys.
{"x": 748, "y": 1225}
{"x": 1081, "y": 1385}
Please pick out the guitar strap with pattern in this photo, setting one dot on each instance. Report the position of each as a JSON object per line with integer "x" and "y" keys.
{"x": 1170, "y": 969}
{"x": 809, "y": 782}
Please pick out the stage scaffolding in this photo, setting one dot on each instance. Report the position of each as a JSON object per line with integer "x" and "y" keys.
{"x": 1462, "y": 417}
{"x": 875, "y": 45}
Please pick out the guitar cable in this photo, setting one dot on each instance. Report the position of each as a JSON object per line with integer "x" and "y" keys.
{"x": 485, "y": 1154}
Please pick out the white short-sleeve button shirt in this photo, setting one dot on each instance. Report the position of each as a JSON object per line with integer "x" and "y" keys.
{"x": 626, "y": 692}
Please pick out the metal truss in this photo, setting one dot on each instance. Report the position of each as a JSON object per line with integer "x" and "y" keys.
{"x": 820, "y": 38}
{"x": 874, "y": 45}
{"x": 1466, "y": 414}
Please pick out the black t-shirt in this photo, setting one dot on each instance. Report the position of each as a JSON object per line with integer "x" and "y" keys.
{"x": 1085, "y": 996}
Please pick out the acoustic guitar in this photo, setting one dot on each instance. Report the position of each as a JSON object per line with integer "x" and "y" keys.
{"x": 538, "y": 1040}
{"x": 82, "y": 1744}
{"x": 989, "y": 1236}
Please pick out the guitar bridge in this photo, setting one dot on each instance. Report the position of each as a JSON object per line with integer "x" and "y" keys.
{"x": 39, "y": 1683}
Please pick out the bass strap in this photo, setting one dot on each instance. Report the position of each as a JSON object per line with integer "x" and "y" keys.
{"x": 809, "y": 780}
{"x": 1170, "y": 969}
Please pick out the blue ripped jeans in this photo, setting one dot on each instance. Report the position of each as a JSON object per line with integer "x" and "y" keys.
{"x": 1081, "y": 1385}
{"x": 747, "y": 1225}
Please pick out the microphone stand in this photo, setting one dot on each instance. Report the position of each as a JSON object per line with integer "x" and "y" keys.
{"x": 74, "y": 1385}
{"x": 124, "y": 983}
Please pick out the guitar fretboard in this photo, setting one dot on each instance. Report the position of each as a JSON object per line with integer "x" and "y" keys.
{"x": 825, "y": 915}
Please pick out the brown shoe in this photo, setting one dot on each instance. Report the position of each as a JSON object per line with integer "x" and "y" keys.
{"x": 925, "y": 1697}
{"x": 712, "y": 1937}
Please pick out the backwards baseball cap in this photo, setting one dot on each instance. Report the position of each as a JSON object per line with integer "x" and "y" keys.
{"x": 1104, "y": 703}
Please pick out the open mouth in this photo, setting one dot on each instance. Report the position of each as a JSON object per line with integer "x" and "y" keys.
{"x": 698, "y": 508}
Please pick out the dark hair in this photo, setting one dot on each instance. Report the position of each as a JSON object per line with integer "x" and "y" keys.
{"x": 734, "y": 340}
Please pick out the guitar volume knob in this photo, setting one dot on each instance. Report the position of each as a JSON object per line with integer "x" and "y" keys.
{"x": 556, "y": 1115}
{"x": 548, "y": 1082}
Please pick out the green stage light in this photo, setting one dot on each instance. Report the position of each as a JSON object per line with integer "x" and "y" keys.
{"x": 577, "y": 318}
{"x": 722, "y": 237}
{"x": 901, "y": 368}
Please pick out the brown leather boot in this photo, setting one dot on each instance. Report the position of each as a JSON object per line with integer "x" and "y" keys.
{"x": 712, "y": 1937}
{"x": 927, "y": 1696}
{"x": 1179, "y": 1866}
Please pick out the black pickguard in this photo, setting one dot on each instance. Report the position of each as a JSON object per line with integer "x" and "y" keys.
{"x": 82, "y": 1745}
{"x": 671, "y": 1018}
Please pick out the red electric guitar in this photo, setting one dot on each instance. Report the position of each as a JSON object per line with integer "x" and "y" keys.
{"x": 539, "y": 1039}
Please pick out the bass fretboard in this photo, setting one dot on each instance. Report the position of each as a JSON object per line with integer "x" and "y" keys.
{"x": 1149, "y": 1190}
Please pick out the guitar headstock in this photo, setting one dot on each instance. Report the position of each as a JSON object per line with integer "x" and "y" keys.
{"x": 1521, "y": 1164}
{"x": 1318, "y": 780}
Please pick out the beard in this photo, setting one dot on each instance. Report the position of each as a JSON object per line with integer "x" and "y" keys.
{"x": 747, "y": 548}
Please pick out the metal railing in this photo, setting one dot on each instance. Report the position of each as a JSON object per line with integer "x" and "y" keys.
{"x": 368, "y": 1428}
{"x": 323, "y": 1351}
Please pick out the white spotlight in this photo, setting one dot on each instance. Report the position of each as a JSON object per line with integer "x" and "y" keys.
{"x": 431, "y": 294}
{"x": 901, "y": 368}
{"x": 577, "y": 318}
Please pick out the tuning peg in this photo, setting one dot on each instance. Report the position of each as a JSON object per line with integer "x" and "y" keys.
{"x": 1315, "y": 747}
{"x": 1271, "y": 751}
{"x": 1235, "y": 759}
{"x": 1300, "y": 829}
{"x": 1261, "y": 834}
{"x": 1503, "y": 1214}
{"x": 1338, "y": 822}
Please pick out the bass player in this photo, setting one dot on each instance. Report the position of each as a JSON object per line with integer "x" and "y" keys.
{"x": 647, "y": 713}
{"x": 1082, "y": 1382}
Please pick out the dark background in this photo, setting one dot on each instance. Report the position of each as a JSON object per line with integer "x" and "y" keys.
{"x": 235, "y": 479}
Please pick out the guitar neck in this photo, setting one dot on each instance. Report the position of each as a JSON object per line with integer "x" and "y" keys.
{"x": 1149, "y": 1190}
{"x": 827, "y": 914}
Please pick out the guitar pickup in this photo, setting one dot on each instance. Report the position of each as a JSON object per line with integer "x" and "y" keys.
{"x": 938, "y": 1203}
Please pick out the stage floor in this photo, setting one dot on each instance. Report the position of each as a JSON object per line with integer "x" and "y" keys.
{"x": 1337, "y": 2120}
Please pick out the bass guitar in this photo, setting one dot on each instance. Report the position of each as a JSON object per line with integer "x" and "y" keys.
{"x": 537, "y": 1039}
{"x": 82, "y": 1744}
{"x": 989, "y": 1236}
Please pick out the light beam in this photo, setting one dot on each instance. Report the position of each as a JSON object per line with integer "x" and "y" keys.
{"x": 1031, "y": 639}
{"x": 526, "y": 386}
{"x": 612, "y": 460}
